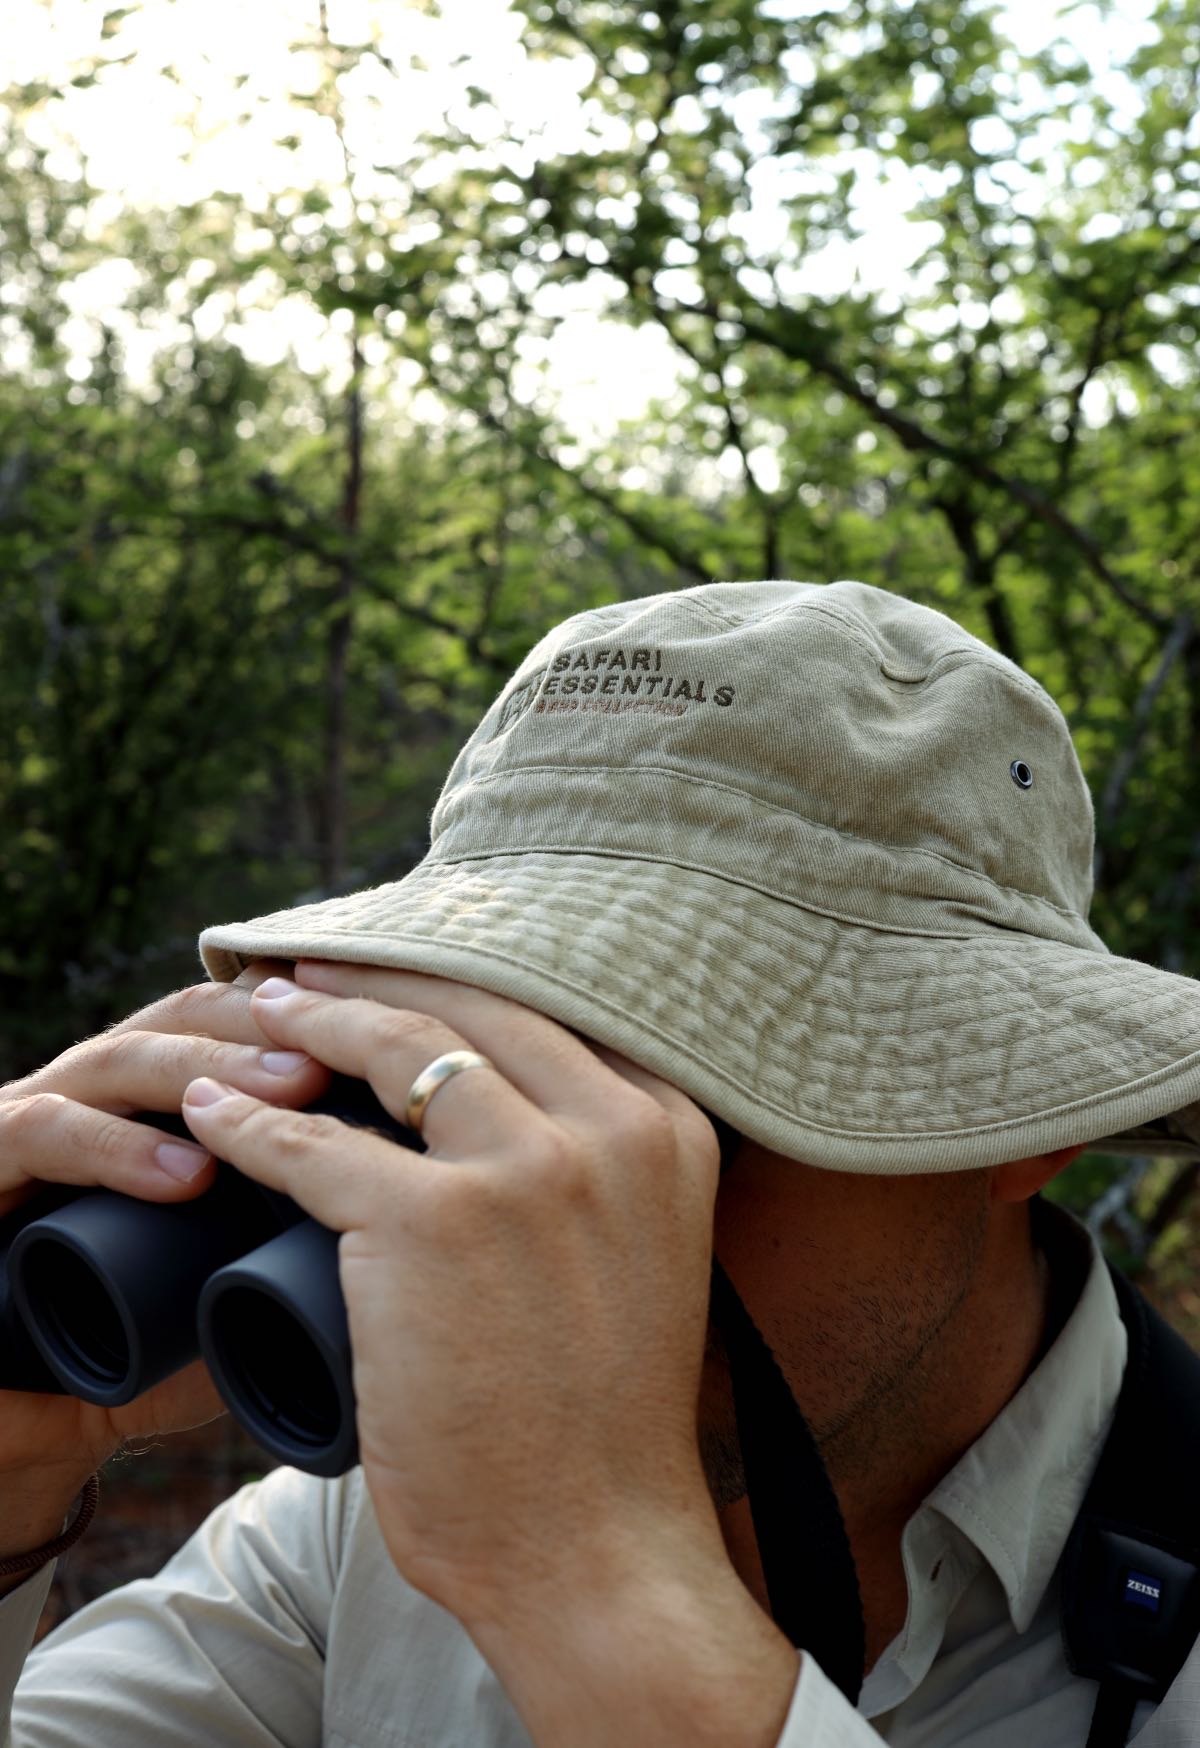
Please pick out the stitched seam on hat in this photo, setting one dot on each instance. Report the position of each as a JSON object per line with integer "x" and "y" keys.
{"x": 772, "y": 892}
{"x": 982, "y": 929}
{"x": 858, "y": 629}
{"x": 974, "y": 651}
{"x": 619, "y": 610}
{"x": 727, "y": 621}
{"x": 1006, "y": 670}
{"x": 614, "y": 610}
{"x": 626, "y": 771}
{"x": 762, "y": 1100}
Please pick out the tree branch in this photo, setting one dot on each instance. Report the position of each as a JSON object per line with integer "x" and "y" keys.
{"x": 1177, "y": 642}
{"x": 981, "y": 574}
{"x": 651, "y": 536}
{"x": 808, "y": 346}
{"x": 768, "y": 506}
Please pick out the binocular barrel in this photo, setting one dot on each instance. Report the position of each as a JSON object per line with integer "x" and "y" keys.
{"x": 273, "y": 1330}
{"x": 102, "y": 1296}
{"x": 21, "y": 1364}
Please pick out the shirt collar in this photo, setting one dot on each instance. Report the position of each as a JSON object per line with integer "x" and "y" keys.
{"x": 1015, "y": 1494}
{"x": 994, "y": 1529}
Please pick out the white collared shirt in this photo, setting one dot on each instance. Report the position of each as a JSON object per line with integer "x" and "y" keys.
{"x": 283, "y": 1624}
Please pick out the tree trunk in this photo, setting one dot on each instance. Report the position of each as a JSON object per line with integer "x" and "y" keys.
{"x": 333, "y": 785}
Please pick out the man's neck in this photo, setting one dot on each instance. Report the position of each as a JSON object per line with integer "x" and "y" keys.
{"x": 886, "y": 1457}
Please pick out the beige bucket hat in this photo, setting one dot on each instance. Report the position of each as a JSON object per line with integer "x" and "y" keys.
{"x": 811, "y": 852}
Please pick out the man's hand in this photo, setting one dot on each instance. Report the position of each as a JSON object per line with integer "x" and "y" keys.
{"x": 68, "y": 1123}
{"x": 527, "y": 1305}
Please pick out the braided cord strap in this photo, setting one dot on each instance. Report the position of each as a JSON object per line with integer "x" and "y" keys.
{"x": 51, "y": 1550}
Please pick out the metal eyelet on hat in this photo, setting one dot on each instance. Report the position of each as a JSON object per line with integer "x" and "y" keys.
{"x": 1021, "y": 774}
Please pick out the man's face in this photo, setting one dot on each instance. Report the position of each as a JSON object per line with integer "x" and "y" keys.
{"x": 852, "y": 1279}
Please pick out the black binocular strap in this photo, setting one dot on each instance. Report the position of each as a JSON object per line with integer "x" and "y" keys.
{"x": 807, "y": 1562}
{"x": 1112, "y": 1719}
{"x": 1131, "y": 1572}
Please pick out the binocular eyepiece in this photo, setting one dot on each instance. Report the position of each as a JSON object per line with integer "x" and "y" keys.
{"x": 102, "y": 1296}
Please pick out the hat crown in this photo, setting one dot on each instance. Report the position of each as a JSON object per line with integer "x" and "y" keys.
{"x": 813, "y": 854}
{"x": 836, "y": 745}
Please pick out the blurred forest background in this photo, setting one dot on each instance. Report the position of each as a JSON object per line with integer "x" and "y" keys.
{"x": 288, "y": 482}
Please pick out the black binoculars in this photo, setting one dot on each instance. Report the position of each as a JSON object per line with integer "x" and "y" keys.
{"x": 102, "y": 1296}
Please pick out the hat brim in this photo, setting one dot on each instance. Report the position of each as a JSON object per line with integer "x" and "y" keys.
{"x": 853, "y": 1048}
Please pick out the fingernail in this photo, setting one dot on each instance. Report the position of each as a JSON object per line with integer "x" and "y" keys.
{"x": 207, "y": 1092}
{"x": 275, "y": 988}
{"x": 180, "y": 1161}
{"x": 283, "y": 1061}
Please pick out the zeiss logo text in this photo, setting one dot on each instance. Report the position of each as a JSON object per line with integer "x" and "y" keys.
{"x": 1142, "y": 1591}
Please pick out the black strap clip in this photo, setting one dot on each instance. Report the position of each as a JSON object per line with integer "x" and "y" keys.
{"x": 1129, "y": 1608}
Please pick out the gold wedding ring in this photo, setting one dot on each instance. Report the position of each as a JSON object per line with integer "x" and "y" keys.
{"x": 440, "y": 1070}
